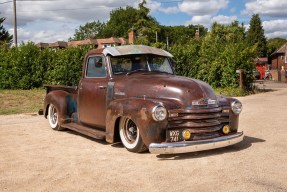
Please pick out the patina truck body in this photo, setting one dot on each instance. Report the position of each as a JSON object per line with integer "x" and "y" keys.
{"x": 131, "y": 94}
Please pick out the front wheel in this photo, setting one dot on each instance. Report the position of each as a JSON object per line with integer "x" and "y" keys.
{"x": 53, "y": 117}
{"x": 130, "y": 136}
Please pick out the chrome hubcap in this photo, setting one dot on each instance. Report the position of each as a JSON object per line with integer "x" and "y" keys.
{"x": 131, "y": 131}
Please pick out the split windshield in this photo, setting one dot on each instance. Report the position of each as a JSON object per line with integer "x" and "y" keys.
{"x": 128, "y": 64}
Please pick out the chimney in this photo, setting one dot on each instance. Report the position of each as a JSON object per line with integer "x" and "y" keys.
{"x": 131, "y": 37}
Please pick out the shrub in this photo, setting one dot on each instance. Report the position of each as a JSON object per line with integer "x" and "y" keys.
{"x": 29, "y": 67}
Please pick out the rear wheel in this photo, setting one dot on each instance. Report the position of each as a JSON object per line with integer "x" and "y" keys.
{"x": 53, "y": 117}
{"x": 130, "y": 136}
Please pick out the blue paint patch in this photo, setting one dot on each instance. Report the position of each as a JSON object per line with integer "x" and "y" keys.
{"x": 75, "y": 116}
{"x": 71, "y": 104}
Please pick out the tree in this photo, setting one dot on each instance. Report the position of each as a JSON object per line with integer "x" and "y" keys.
{"x": 145, "y": 26}
{"x": 90, "y": 30}
{"x": 274, "y": 44}
{"x": 186, "y": 57}
{"x": 121, "y": 22}
{"x": 5, "y": 37}
{"x": 179, "y": 34}
{"x": 223, "y": 51}
{"x": 255, "y": 36}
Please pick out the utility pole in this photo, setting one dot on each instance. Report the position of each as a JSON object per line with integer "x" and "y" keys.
{"x": 167, "y": 43}
{"x": 156, "y": 36}
{"x": 15, "y": 24}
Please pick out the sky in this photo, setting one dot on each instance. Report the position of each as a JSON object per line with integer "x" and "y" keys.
{"x": 56, "y": 20}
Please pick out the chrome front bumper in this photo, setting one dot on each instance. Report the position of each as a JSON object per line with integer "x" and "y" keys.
{"x": 192, "y": 146}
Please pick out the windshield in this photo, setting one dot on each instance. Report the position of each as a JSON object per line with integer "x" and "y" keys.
{"x": 128, "y": 64}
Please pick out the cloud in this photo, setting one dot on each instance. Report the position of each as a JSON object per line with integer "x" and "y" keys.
{"x": 203, "y": 12}
{"x": 223, "y": 19}
{"x": 203, "y": 20}
{"x": 158, "y": 6}
{"x": 275, "y": 28}
{"x": 274, "y": 8}
{"x": 207, "y": 20}
{"x": 203, "y": 7}
{"x": 64, "y": 10}
{"x": 169, "y": 10}
{"x": 38, "y": 32}
{"x": 153, "y": 5}
{"x": 45, "y": 20}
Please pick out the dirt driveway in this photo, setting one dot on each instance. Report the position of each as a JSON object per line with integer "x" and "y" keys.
{"x": 35, "y": 158}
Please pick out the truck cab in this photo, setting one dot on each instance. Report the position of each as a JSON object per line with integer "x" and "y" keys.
{"x": 132, "y": 94}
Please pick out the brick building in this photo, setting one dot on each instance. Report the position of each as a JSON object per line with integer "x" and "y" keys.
{"x": 279, "y": 63}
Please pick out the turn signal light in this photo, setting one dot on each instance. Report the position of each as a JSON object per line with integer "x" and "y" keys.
{"x": 186, "y": 134}
{"x": 226, "y": 129}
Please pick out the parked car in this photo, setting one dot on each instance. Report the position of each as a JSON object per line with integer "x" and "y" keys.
{"x": 268, "y": 75}
{"x": 131, "y": 94}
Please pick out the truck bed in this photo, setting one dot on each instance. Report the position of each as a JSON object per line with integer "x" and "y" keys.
{"x": 69, "y": 89}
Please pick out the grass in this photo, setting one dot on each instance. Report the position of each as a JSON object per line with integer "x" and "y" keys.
{"x": 231, "y": 92}
{"x": 21, "y": 101}
{"x": 237, "y": 92}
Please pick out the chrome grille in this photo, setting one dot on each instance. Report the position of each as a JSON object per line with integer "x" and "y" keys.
{"x": 201, "y": 122}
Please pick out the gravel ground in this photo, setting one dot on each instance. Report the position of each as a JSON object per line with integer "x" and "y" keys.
{"x": 35, "y": 158}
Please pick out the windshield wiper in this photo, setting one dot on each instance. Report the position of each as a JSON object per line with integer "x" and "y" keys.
{"x": 158, "y": 71}
{"x": 120, "y": 72}
{"x": 137, "y": 70}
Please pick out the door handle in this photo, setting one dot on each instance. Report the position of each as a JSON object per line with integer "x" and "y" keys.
{"x": 102, "y": 87}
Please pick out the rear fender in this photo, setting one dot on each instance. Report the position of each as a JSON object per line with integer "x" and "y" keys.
{"x": 64, "y": 102}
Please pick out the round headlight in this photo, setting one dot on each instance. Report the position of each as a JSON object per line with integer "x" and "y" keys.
{"x": 236, "y": 107}
{"x": 159, "y": 113}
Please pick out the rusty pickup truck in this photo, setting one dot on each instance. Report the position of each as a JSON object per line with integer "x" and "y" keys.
{"x": 130, "y": 94}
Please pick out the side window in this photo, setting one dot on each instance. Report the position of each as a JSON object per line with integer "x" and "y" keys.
{"x": 96, "y": 67}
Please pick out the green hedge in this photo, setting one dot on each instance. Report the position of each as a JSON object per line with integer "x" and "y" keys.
{"x": 213, "y": 58}
{"x": 29, "y": 67}
{"x": 216, "y": 57}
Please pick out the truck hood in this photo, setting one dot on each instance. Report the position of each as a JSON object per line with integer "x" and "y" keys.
{"x": 164, "y": 86}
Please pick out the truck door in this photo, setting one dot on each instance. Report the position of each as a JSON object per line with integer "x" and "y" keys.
{"x": 92, "y": 92}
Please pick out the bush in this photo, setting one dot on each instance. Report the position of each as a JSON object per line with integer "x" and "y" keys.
{"x": 216, "y": 57}
{"x": 29, "y": 67}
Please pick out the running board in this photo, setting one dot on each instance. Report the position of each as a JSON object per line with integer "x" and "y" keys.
{"x": 85, "y": 130}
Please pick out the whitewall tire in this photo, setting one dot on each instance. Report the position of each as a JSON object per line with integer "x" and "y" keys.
{"x": 53, "y": 117}
{"x": 130, "y": 136}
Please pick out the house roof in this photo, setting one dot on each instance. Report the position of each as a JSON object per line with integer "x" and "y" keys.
{"x": 42, "y": 45}
{"x": 63, "y": 44}
{"x": 82, "y": 42}
{"x": 112, "y": 40}
{"x": 281, "y": 50}
{"x": 58, "y": 44}
{"x": 261, "y": 60}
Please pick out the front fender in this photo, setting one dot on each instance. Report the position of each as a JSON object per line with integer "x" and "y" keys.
{"x": 140, "y": 111}
{"x": 233, "y": 119}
